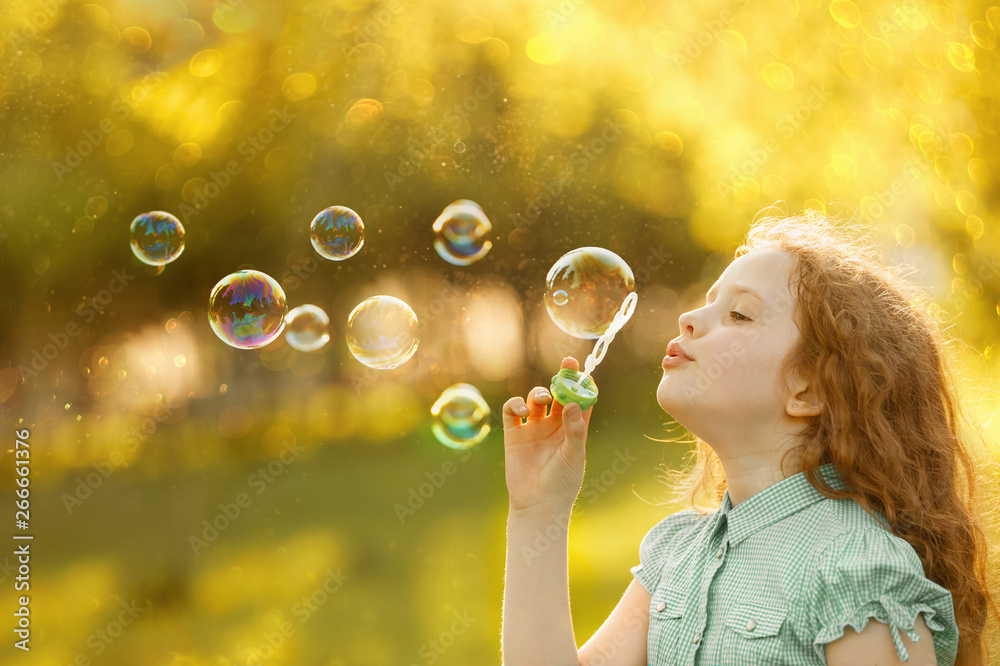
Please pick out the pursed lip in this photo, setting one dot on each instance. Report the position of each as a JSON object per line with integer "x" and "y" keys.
{"x": 674, "y": 350}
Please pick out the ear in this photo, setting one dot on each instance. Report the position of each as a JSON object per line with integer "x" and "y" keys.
{"x": 804, "y": 402}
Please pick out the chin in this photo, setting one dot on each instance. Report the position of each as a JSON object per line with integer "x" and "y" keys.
{"x": 670, "y": 396}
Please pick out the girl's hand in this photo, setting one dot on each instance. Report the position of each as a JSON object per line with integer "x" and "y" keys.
{"x": 544, "y": 457}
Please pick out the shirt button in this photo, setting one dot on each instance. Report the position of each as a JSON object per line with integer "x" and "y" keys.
{"x": 660, "y": 606}
{"x": 751, "y": 625}
{"x": 697, "y": 638}
{"x": 719, "y": 554}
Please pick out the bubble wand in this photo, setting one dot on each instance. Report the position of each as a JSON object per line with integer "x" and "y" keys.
{"x": 570, "y": 385}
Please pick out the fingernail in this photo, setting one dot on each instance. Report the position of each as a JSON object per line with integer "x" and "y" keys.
{"x": 523, "y": 411}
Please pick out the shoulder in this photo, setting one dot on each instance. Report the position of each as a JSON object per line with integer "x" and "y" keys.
{"x": 865, "y": 572}
{"x": 663, "y": 538}
{"x": 669, "y": 528}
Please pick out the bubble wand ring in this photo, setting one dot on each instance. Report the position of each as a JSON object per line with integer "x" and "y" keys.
{"x": 570, "y": 385}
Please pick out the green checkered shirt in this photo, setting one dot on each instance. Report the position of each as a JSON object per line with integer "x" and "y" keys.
{"x": 775, "y": 579}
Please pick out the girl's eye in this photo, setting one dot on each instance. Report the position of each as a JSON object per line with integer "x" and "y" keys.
{"x": 733, "y": 314}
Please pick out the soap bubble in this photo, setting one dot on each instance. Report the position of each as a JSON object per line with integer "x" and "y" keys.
{"x": 337, "y": 233}
{"x": 585, "y": 289}
{"x": 247, "y": 309}
{"x": 461, "y": 417}
{"x": 382, "y": 332}
{"x": 157, "y": 238}
{"x": 307, "y": 328}
{"x": 460, "y": 233}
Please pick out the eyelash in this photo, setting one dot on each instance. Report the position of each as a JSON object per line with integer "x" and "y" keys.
{"x": 743, "y": 316}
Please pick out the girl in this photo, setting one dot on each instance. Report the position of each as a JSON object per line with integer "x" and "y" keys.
{"x": 845, "y": 528}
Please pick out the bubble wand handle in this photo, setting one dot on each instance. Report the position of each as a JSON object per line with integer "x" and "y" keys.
{"x": 601, "y": 346}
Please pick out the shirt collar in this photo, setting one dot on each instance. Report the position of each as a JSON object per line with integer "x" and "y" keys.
{"x": 775, "y": 502}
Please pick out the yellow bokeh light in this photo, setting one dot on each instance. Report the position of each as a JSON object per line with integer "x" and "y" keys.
{"x": 671, "y": 144}
{"x": 545, "y": 49}
{"x": 779, "y": 77}
{"x": 120, "y": 143}
{"x": 961, "y": 57}
{"x": 846, "y": 13}
{"x": 298, "y": 86}
{"x": 137, "y": 39}
{"x": 187, "y": 155}
{"x": 473, "y": 29}
{"x": 966, "y": 202}
{"x": 206, "y": 63}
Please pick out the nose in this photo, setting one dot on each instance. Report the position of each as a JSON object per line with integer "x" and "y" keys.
{"x": 687, "y": 323}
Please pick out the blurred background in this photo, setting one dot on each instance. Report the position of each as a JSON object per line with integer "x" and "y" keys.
{"x": 196, "y": 504}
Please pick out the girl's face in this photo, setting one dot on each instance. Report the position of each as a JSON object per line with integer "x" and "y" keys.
{"x": 734, "y": 348}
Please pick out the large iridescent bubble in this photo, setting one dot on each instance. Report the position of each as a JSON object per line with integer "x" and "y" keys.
{"x": 382, "y": 332}
{"x": 247, "y": 309}
{"x": 157, "y": 238}
{"x": 585, "y": 289}
{"x": 307, "y": 328}
{"x": 337, "y": 233}
{"x": 460, "y": 233}
{"x": 461, "y": 417}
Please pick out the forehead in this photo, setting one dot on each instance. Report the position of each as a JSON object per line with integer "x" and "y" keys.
{"x": 767, "y": 271}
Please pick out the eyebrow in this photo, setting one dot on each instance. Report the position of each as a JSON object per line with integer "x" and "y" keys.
{"x": 741, "y": 289}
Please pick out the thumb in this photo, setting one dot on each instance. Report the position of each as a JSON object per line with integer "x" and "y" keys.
{"x": 576, "y": 431}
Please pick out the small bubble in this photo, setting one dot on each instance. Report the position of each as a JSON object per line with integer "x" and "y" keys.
{"x": 172, "y": 325}
{"x": 180, "y": 361}
{"x": 157, "y": 238}
{"x": 224, "y": 388}
{"x": 459, "y": 147}
{"x": 66, "y": 406}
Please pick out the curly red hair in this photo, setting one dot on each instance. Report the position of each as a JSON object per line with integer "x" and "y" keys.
{"x": 892, "y": 423}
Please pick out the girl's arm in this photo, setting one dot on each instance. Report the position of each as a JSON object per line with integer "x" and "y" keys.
{"x": 543, "y": 464}
{"x": 537, "y": 626}
{"x": 621, "y": 640}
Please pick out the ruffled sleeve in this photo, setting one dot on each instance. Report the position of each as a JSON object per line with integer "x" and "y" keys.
{"x": 655, "y": 546}
{"x": 872, "y": 574}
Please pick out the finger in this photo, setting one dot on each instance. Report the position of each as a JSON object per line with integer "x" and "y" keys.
{"x": 575, "y": 425}
{"x": 513, "y": 410}
{"x": 557, "y": 407}
{"x": 538, "y": 400}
